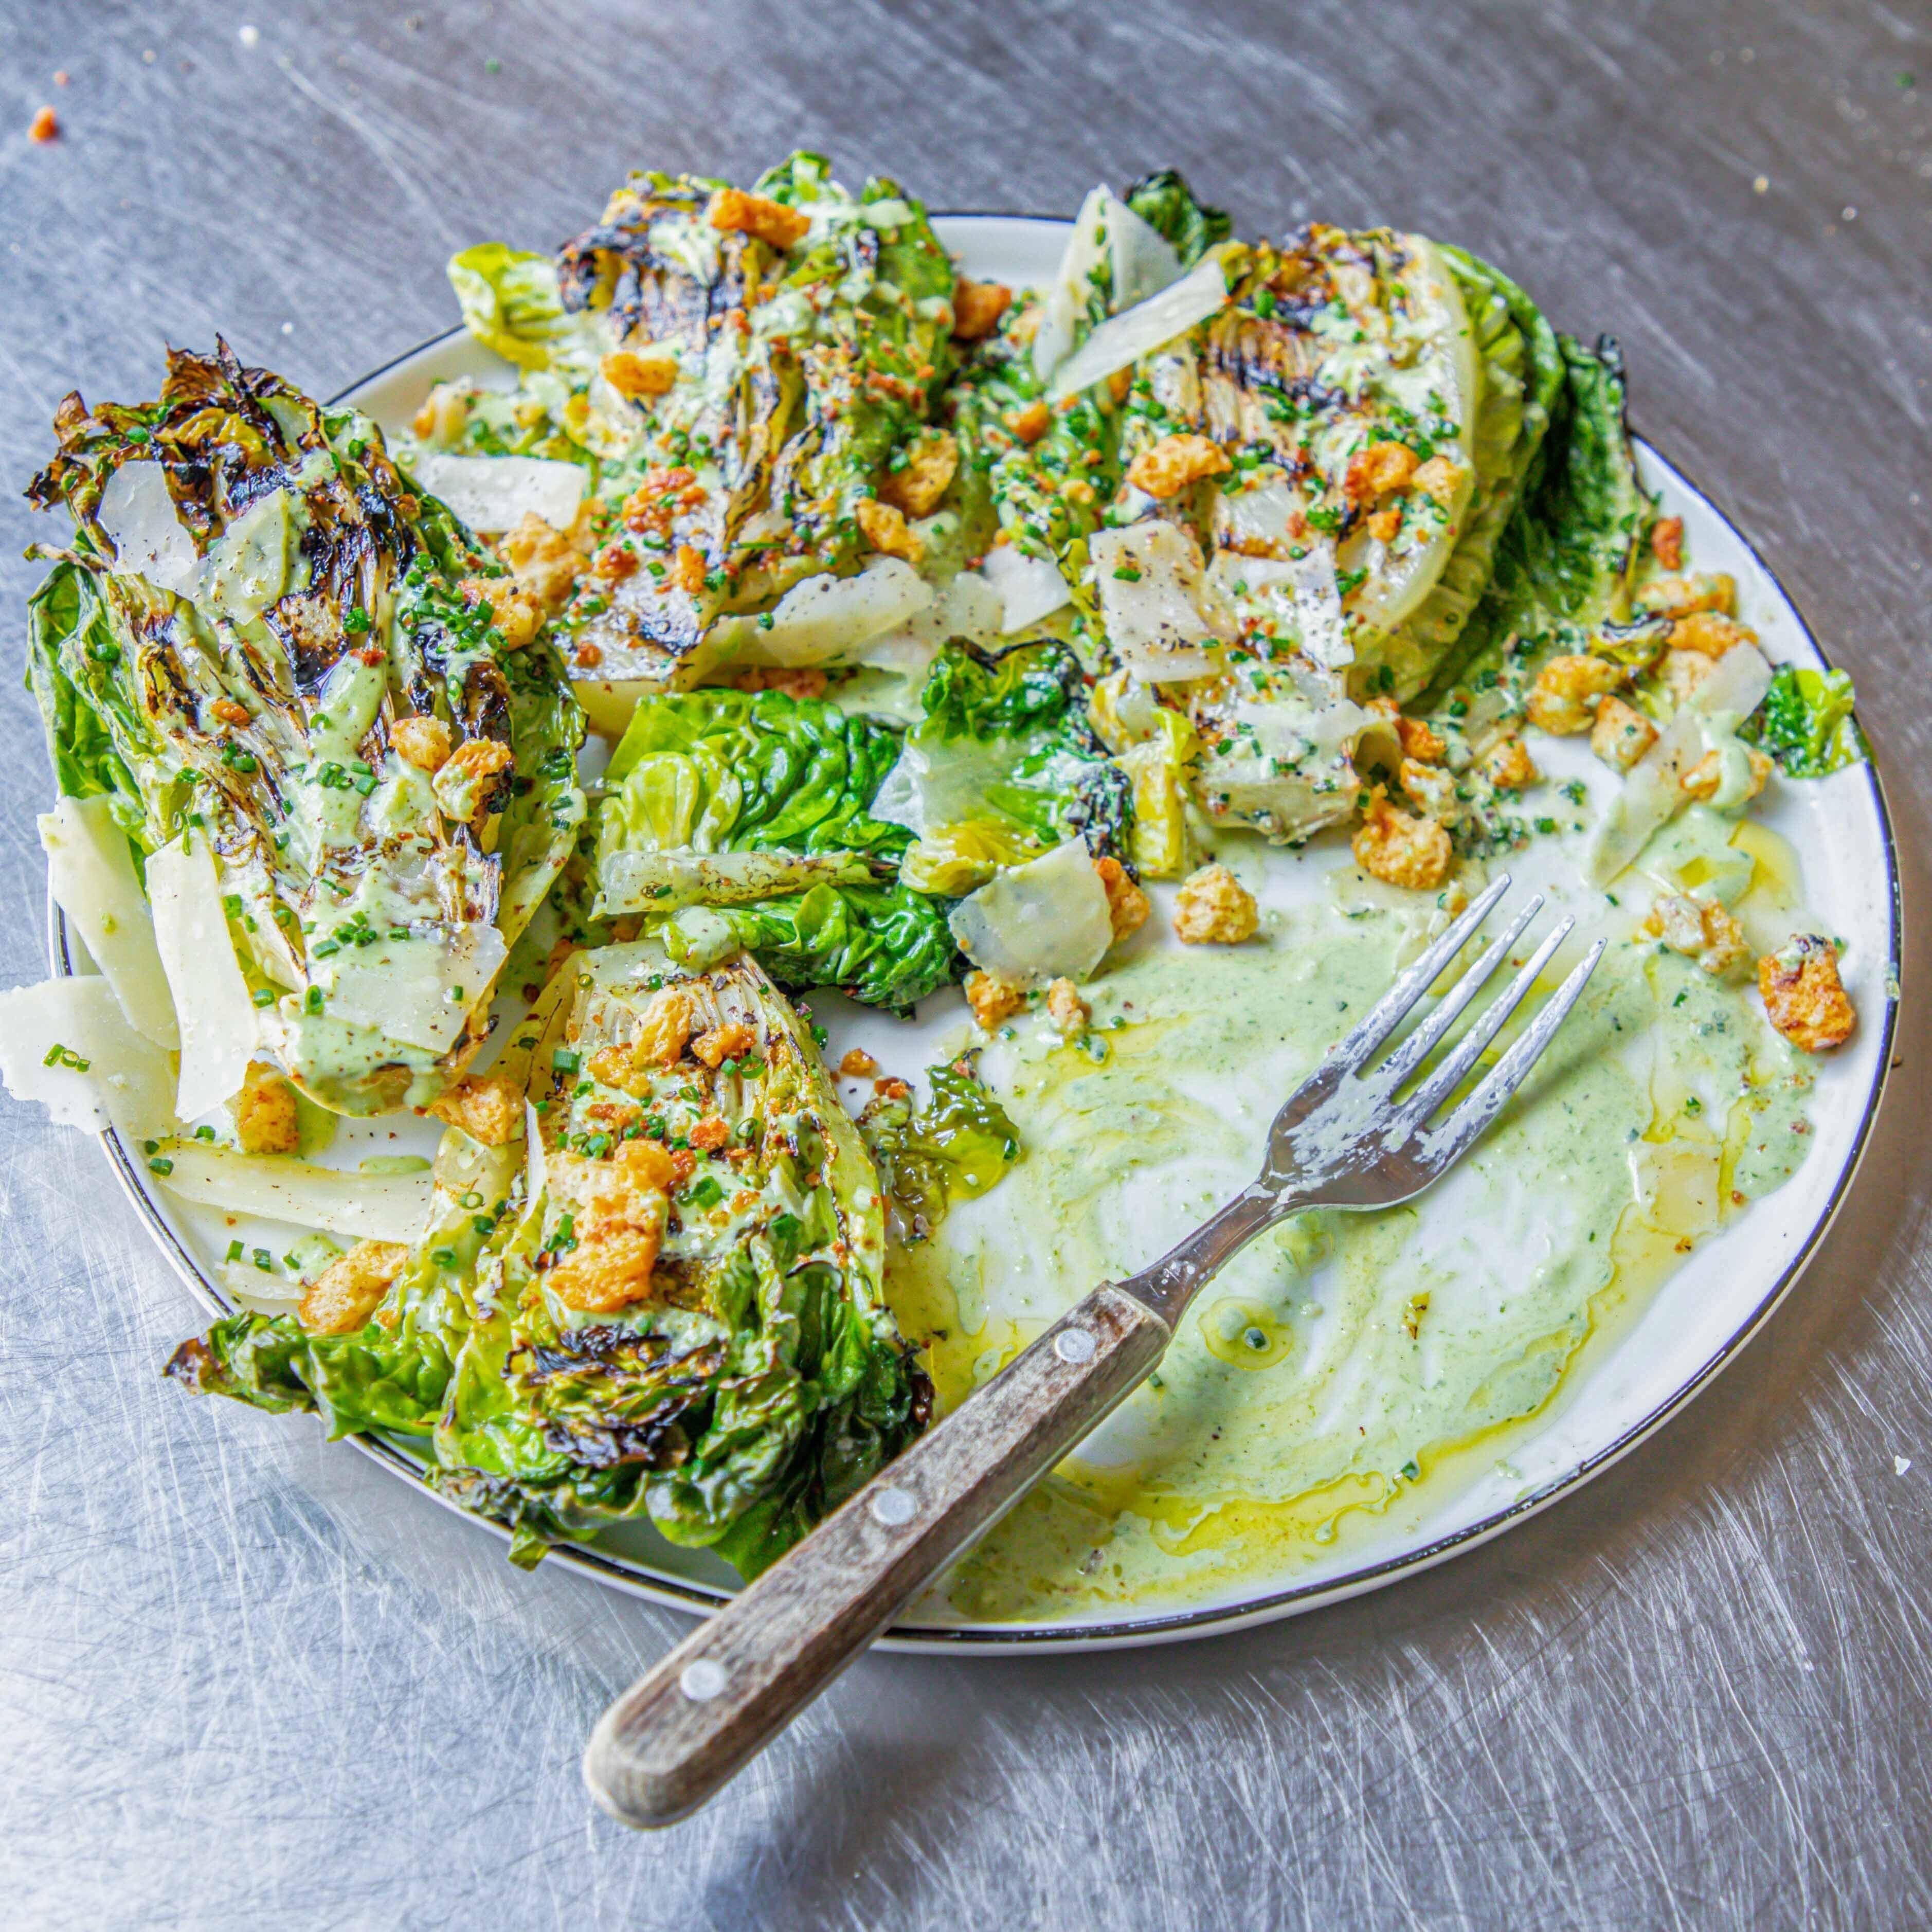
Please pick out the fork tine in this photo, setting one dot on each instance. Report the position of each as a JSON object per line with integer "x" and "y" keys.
{"x": 1446, "y": 1078}
{"x": 1407, "y": 1057}
{"x": 1387, "y": 1012}
{"x": 1455, "y": 1134}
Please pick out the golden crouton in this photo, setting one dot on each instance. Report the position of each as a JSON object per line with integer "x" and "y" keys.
{"x": 1420, "y": 741}
{"x": 1031, "y": 423}
{"x": 466, "y": 779}
{"x": 513, "y": 610}
{"x": 1682, "y": 672}
{"x": 858, "y": 1064}
{"x": 1127, "y": 906}
{"x": 977, "y": 307}
{"x": 488, "y": 1107}
{"x": 794, "y": 680}
{"x": 443, "y": 415}
{"x": 544, "y": 559}
{"x": 618, "y": 1234}
{"x": 1679, "y": 596}
{"x": 887, "y": 530}
{"x": 930, "y": 463}
{"x": 1804, "y": 996}
{"x": 1710, "y": 632}
{"x": 341, "y": 1299}
{"x": 1403, "y": 851}
{"x": 1430, "y": 787}
{"x": 640, "y": 377}
{"x": 1508, "y": 765}
{"x": 1384, "y": 526}
{"x": 771, "y": 221}
{"x": 687, "y": 569}
{"x": 1374, "y": 472}
{"x": 1706, "y": 778}
{"x": 1214, "y": 908}
{"x": 1621, "y": 734}
{"x": 1174, "y": 462}
{"x": 422, "y": 741}
{"x": 724, "y": 1042}
{"x": 992, "y": 999}
{"x": 663, "y": 1029}
{"x": 1666, "y": 542}
{"x": 1563, "y": 700}
{"x": 1699, "y": 929}
{"x": 1066, "y": 1010}
{"x": 1437, "y": 479}
{"x": 265, "y": 1112}
{"x": 709, "y": 1134}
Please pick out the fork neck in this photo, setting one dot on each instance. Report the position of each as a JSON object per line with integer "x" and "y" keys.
{"x": 1171, "y": 1283}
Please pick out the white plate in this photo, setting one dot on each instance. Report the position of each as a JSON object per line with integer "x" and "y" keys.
{"x": 1611, "y": 1400}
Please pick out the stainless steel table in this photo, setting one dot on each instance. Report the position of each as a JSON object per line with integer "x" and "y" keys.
{"x": 249, "y": 1681}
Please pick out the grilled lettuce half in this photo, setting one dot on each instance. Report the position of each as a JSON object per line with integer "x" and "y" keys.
{"x": 282, "y": 600}
{"x": 731, "y": 1392}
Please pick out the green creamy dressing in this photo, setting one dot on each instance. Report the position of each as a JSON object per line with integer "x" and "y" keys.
{"x": 1327, "y": 1367}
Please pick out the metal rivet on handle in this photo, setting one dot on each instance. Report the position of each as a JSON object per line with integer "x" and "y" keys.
{"x": 704, "y": 1680}
{"x": 1073, "y": 1345}
{"x": 893, "y": 1508}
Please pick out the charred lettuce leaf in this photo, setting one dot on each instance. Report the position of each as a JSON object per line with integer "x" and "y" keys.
{"x": 1003, "y": 766}
{"x": 255, "y": 603}
{"x": 1165, "y": 202}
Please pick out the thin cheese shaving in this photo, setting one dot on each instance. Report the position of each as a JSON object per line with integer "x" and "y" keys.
{"x": 212, "y": 1007}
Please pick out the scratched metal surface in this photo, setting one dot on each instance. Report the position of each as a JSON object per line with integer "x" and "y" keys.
{"x": 249, "y": 1681}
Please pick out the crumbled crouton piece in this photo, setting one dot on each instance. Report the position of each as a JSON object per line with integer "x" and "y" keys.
{"x": 229, "y": 712}
{"x": 341, "y": 1299}
{"x": 977, "y": 307}
{"x": 1563, "y": 700}
{"x": 1666, "y": 542}
{"x": 992, "y": 999}
{"x": 1375, "y": 472}
{"x": 1706, "y": 778}
{"x": 422, "y": 741}
{"x": 1430, "y": 787}
{"x": 488, "y": 1107}
{"x": 1805, "y": 997}
{"x": 929, "y": 466}
{"x": 466, "y": 780}
{"x": 794, "y": 680}
{"x": 445, "y": 411}
{"x": 1682, "y": 672}
{"x": 1680, "y": 596}
{"x": 513, "y": 610}
{"x": 1127, "y": 906}
{"x": 858, "y": 1064}
{"x": 887, "y": 531}
{"x": 687, "y": 569}
{"x": 657, "y": 502}
{"x": 544, "y": 559}
{"x": 731, "y": 208}
{"x": 1508, "y": 765}
{"x": 1031, "y": 423}
{"x": 1420, "y": 741}
{"x": 1621, "y": 734}
{"x": 265, "y": 1112}
{"x": 640, "y": 377}
{"x": 1384, "y": 526}
{"x": 1174, "y": 462}
{"x": 709, "y": 1134}
{"x": 724, "y": 1042}
{"x": 1403, "y": 851}
{"x": 44, "y": 127}
{"x": 1437, "y": 479}
{"x": 1710, "y": 632}
{"x": 664, "y": 1027}
{"x": 618, "y": 1233}
{"x": 1066, "y": 1010}
{"x": 1701, "y": 929}
{"x": 1214, "y": 908}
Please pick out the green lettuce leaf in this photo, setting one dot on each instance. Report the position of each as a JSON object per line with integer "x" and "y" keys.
{"x": 511, "y": 301}
{"x": 1164, "y": 201}
{"x": 1806, "y": 724}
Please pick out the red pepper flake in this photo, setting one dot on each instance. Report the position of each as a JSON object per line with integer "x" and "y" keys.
{"x": 44, "y": 127}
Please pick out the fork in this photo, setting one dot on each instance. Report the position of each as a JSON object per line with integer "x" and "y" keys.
{"x": 1350, "y": 1137}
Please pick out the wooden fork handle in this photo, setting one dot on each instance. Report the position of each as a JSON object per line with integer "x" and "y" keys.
{"x": 681, "y": 1731}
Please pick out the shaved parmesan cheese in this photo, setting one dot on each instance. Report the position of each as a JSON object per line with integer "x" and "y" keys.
{"x": 66, "y": 1044}
{"x": 1120, "y": 341}
{"x": 1145, "y": 261}
{"x": 826, "y": 619}
{"x": 1653, "y": 793}
{"x": 496, "y": 493}
{"x": 1046, "y": 920}
{"x": 1066, "y": 298}
{"x": 149, "y": 539}
{"x": 1299, "y": 594}
{"x": 631, "y": 882}
{"x": 366, "y": 1207}
{"x": 1148, "y": 576}
{"x": 1029, "y": 588}
{"x": 212, "y": 1008}
{"x": 91, "y": 871}
{"x": 419, "y": 991}
{"x": 966, "y": 605}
